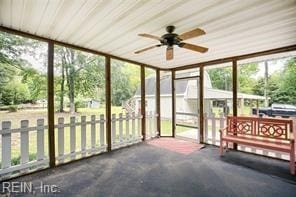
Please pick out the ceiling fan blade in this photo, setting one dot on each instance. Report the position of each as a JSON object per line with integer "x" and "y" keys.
{"x": 146, "y": 49}
{"x": 169, "y": 53}
{"x": 150, "y": 36}
{"x": 191, "y": 34}
{"x": 194, "y": 47}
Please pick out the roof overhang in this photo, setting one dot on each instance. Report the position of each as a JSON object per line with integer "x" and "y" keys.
{"x": 234, "y": 28}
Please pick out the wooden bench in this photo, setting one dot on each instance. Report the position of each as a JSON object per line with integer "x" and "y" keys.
{"x": 266, "y": 133}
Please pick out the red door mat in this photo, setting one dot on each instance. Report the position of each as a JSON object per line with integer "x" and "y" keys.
{"x": 176, "y": 145}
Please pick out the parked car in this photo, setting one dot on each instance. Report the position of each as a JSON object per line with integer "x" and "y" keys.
{"x": 282, "y": 110}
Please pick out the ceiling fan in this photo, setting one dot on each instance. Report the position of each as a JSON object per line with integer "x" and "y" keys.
{"x": 170, "y": 39}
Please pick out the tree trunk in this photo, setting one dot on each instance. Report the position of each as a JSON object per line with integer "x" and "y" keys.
{"x": 71, "y": 82}
{"x": 71, "y": 92}
{"x": 61, "y": 107}
{"x": 70, "y": 77}
{"x": 266, "y": 84}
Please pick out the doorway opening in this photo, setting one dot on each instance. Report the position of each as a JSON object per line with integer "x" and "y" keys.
{"x": 187, "y": 108}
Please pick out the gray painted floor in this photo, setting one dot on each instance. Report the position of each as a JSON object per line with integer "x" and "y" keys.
{"x": 145, "y": 170}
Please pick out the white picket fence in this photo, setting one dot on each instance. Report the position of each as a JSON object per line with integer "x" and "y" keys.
{"x": 212, "y": 124}
{"x": 25, "y": 165}
{"x": 151, "y": 126}
{"x": 125, "y": 130}
{"x": 97, "y": 139}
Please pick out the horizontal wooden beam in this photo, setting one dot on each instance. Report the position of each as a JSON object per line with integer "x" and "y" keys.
{"x": 239, "y": 57}
{"x": 186, "y": 78}
{"x": 40, "y": 38}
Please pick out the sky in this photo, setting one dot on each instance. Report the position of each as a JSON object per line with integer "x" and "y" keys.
{"x": 273, "y": 66}
{"x": 38, "y": 60}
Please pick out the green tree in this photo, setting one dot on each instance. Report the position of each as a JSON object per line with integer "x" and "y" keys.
{"x": 281, "y": 85}
{"x": 36, "y": 82}
{"x": 246, "y": 73}
{"x": 6, "y": 75}
{"x": 13, "y": 65}
{"x": 121, "y": 88}
{"x": 81, "y": 74}
{"x": 289, "y": 81}
{"x": 133, "y": 72}
{"x": 273, "y": 88}
{"x": 15, "y": 93}
{"x": 8, "y": 60}
{"x": 221, "y": 78}
{"x": 11, "y": 47}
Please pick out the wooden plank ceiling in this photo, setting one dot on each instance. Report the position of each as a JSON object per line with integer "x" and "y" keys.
{"x": 233, "y": 27}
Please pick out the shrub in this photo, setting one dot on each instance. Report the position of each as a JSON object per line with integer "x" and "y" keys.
{"x": 15, "y": 92}
{"x": 77, "y": 105}
{"x": 12, "y": 108}
{"x": 17, "y": 160}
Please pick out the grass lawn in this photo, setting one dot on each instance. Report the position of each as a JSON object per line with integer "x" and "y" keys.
{"x": 166, "y": 128}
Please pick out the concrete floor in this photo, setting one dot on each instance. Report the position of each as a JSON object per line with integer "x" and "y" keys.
{"x": 145, "y": 170}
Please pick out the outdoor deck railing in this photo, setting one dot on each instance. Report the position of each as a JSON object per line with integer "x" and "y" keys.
{"x": 125, "y": 130}
{"x": 24, "y": 165}
{"x": 74, "y": 140}
{"x": 151, "y": 129}
{"x": 97, "y": 142}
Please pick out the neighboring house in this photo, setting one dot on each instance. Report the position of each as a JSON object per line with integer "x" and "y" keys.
{"x": 82, "y": 103}
{"x": 186, "y": 96}
{"x": 93, "y": 103}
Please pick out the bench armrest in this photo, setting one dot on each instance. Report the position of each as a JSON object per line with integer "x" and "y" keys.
{"x": 223, "y": 130}
{"x": 292, "y": 140}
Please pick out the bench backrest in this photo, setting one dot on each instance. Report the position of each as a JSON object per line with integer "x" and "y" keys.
{"x": 280, "y": 129}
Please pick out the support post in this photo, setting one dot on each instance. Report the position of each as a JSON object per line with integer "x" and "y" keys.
{"x": 201, "y": 104}
{"x": 50, "y": 105}
{"x": 257, "y": 107}
{"x": 265, "y": 83}
{"x": 158, "y": 123}
{"x": 242, "y": 106}
{"x": 108, "y": 101}
{"x": 234, "y": 91}
{"x": 143, "y": 103}
{"x": 173, "y": 104}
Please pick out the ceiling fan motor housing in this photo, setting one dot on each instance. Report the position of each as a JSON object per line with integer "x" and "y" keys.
{"x": 170, "y": 39}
